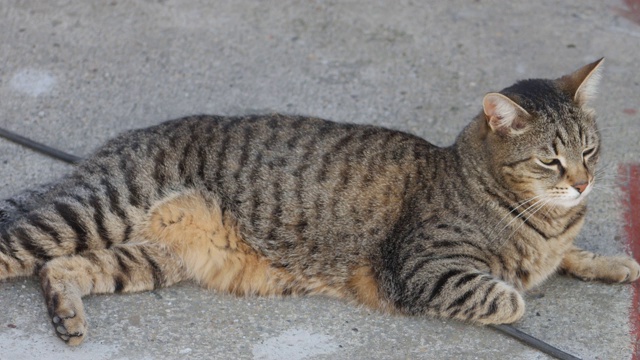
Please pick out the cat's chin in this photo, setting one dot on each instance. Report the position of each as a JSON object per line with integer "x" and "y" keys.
{"x": 568, "y": 203}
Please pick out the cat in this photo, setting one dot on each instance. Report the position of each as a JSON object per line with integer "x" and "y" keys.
{"x": 276, "y": 205}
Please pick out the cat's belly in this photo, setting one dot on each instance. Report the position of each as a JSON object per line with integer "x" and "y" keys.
{"x": 215, "y": 255}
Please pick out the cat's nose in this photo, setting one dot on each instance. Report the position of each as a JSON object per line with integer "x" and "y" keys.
{"x": 580, "y": 186}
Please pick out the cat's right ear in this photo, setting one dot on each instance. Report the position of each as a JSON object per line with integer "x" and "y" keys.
{"x": 503, "y": 115}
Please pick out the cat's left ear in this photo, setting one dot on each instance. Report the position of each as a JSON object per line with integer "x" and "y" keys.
{"x": 582, "y": 84}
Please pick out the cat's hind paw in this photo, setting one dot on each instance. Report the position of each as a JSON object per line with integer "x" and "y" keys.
{"x": 65, "y": 308}
{"x": 70, "y": 326}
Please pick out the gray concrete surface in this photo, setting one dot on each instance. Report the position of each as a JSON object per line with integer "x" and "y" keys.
{"x": 74, "y": 73}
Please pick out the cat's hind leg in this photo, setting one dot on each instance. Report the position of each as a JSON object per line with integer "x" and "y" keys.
{"x": 122, "y": 268}
{"x": 586, "y": 265}
{"x": 62, "y": 221}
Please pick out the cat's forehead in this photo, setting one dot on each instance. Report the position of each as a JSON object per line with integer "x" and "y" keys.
{"x": 555, "y": 117}
{"x": 572, "y": 131}
{"x": 540, "y": 97}
{"x": 553, "y": 110}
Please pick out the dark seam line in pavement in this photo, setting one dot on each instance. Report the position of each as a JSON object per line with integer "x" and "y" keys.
{"x": 47, "y": 150}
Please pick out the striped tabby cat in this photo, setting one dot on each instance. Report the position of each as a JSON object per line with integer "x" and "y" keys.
{"x": 284, "y": 205}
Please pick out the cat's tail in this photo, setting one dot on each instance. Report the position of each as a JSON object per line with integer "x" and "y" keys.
{"x": 18, "y": 205}
{"x": 27, "y": 237}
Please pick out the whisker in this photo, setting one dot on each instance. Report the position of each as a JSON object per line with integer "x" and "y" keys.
{"x": 522, "y": 203}
{"x": 616, "y": 127}
{"x": 528, "y": 217}
{"x": 520, "y": 215}
{"x": 606, "y": 189}
{"x": 551, "y": 209}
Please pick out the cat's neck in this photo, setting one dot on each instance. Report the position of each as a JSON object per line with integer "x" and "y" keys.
{"x": 471, "y": 150}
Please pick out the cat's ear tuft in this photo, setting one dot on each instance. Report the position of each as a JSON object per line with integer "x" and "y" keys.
{"x": 503, "y": 114}
{"x": 582, "y": 84}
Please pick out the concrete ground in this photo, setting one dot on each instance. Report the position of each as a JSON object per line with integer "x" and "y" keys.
{"x": 74, "y": 73}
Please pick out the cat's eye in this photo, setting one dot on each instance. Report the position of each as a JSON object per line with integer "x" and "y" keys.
{"x": 550, "y": 162}
{"x": 588, "y": 152}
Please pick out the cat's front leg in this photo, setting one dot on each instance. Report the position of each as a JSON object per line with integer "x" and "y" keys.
{"x": 586, "y": 265}
{"x": 458, "y": 292}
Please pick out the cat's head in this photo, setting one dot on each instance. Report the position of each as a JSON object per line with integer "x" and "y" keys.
{"x": 542, "y": 136}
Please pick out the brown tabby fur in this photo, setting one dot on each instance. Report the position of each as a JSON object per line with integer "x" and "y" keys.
{"x": 282, "y": 205}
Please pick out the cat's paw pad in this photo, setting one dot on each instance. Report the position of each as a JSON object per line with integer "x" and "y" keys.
{"x": 67, "y": 317}
{"x": 70, "y": 328}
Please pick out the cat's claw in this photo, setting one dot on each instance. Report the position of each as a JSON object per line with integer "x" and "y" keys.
{"x": 632, "y": 270}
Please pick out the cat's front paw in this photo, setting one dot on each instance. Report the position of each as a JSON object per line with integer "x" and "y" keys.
{"x": 620, "y": 269}
{"x": 588, "y": 266}
{"x": 608, "y": 269}
{"x": 504, "y": 305}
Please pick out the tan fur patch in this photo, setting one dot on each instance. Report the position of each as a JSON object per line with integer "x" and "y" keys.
{"x": 213, "y": 252}
{"x": 365, "y": 287}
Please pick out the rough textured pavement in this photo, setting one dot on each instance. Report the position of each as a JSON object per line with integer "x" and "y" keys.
{"x": 74, "y": 73}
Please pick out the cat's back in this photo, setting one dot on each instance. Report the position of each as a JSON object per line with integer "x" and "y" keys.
{"x": 289, "y": 181}
{"x": 295, "y": 185}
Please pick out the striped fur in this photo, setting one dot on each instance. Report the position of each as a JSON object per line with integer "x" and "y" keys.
{"x": 283, "y": 205}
